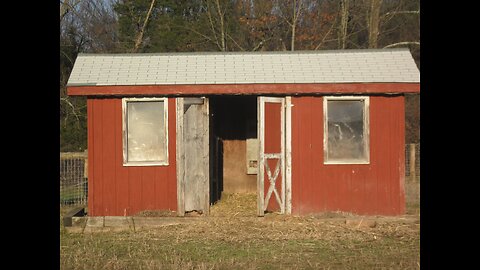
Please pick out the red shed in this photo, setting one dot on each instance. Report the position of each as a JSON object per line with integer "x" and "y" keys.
{"x": 308, "y": 131}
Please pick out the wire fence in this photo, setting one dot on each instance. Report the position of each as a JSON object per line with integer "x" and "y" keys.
{"x": 73, "y": 178}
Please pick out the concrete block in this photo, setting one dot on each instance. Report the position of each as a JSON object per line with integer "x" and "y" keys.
{"x": 79, "y": 221}
{"x": 111, "y": 221}
{"x": 95, "y": 222}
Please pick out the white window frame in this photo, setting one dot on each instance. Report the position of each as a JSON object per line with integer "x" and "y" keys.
{"x": 125, "y": 131}
{"x": 366, "y": 129}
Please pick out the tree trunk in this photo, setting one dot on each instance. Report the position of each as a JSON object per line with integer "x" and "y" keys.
{"x": 293, "y": 24}
{"x": 342, "y": 41}
{"x": 222, "y": 25}
{"x": 292, "y": 46}
{"x": 139, "y": 39}
{"x": 374, "y": 23}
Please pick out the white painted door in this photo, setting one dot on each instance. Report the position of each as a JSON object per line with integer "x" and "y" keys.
{"x": 273, "y": 178}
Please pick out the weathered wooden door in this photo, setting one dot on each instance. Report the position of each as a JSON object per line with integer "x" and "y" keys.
{"x": 273, "y": 178}
{"x": 193, "y": 155}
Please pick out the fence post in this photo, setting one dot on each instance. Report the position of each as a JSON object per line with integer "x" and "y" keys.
{"x": 413, "y": 174}
{"x": 85, "y": 166}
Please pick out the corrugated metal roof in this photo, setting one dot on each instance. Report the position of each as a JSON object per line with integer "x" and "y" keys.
{"x": 332, "y": 66}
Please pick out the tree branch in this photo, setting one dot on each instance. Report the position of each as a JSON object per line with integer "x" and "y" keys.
{"x": 393, "y": 13}
{"x": 299, "y": 10}
{"x": 260, "y": 44}
{"x": 285, "y": 18}
{"x": 238, "y": 45}
{"x": 194, "y": 31}
{"x": 211, "y": 26}
{"x": 66, "y": 7}
{"x": 402, "y": 43}
{"x": 64, "y": 99}
{"x": 69, "y": 59}
{"x": 326, "y": 35}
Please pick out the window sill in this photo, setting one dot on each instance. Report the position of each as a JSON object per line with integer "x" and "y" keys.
{"x": 144, "y": 164}
{"x": 347, "y": 162}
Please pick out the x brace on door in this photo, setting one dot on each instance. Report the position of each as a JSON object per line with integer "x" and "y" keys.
{"x": 273, "y": 179}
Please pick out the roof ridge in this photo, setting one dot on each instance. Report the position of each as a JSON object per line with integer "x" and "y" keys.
{"x": 248, "y": 52}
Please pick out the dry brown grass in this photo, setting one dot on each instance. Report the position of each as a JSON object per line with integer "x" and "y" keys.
{"x": 156, "y": 213}
{"x": 235, "y": 205}
{"x": 233, "y": 237}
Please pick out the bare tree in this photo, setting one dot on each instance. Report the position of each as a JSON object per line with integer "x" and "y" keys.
{"x": 71, "y": 41}
{"x": 217, "y": 24}
{"x": 296, "y": 14}
{"x": 296, "y": 11}
{"x": 85, "y": 26}
{"x": 407, "y": 40}
{"x": 294, "y": 7}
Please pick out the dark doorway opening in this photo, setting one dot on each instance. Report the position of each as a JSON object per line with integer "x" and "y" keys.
{"x": 233, "y": 145}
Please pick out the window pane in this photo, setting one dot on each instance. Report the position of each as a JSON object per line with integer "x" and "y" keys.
{"x": 345, "y": 130}
{"x": 146, "y": 131}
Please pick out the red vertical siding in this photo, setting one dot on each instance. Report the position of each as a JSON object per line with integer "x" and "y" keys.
{"x": 108, "y": 159}
{"x": 148, "y": 188}
{"x": 375, "y": 188}
{"x": 121, "y": 172}
{"x": 97, "y": 166}
{"x": 273, "y": 127}
{"x": 115, "y": 190}
{"x": 90, "y": 133}
{"x": 273, "y": 138}
{"x": 135, "y": 188}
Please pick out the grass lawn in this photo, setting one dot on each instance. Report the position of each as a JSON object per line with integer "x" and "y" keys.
{"x": 234, "y": 238}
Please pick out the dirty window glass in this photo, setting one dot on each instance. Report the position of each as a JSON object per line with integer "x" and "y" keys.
{"x": 347, "y": 139}
{"x": 146, "y": 131}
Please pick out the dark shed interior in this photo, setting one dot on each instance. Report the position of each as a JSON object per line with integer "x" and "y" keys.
{"x": 233, "y": 125}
